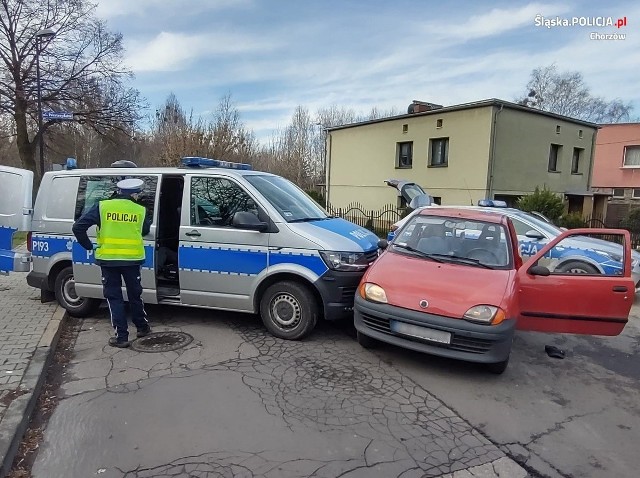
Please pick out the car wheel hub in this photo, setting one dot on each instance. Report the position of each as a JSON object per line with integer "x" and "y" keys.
{"x": 286, "y": 311}
{"x": 69, "y": 292}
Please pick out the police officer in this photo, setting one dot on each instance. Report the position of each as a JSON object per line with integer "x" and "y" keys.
{"x": 121, "y": 224}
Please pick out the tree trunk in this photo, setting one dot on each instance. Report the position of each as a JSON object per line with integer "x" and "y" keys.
{"x": 26, "y": 148}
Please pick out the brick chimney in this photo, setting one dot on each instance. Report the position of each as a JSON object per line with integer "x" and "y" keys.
{"x": 421, "y": 106}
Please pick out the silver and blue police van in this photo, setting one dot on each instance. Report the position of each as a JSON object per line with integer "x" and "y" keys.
{"x": 223, "y": 237}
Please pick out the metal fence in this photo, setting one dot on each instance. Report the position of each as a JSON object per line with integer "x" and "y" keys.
{"x": 379, "y": 221}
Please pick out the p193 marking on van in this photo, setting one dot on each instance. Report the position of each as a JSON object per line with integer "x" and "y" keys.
{"x": 49, "y": 245}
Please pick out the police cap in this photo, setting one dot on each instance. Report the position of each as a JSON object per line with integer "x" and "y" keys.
{"x": 130, "y": 186}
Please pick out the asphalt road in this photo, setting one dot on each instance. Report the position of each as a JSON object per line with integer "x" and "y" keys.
{"x": 574, "y": 417}
{"x": 238, "y": 402}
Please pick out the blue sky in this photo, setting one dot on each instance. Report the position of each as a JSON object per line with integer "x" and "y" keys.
{"x": 274, "y": 55}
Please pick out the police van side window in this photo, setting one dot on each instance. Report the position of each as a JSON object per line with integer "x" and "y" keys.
{"x": 214, "y": 201}
{"x": 520, "y": 227}
{"x": 93, "y": 189}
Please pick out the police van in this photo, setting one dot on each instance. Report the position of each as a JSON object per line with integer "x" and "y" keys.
{"x": 223, "y": 237}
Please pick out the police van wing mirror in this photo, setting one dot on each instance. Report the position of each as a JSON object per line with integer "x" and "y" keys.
{"x": 533, "y": 234}
{"x": 249, "y": 221}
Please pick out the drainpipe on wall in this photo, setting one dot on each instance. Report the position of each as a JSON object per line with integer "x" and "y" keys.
{"x": 589, "y": 178}
{"x": 327, "y": 159}
{"x": 493, "y": 150}
{"x": 591, "y": 159}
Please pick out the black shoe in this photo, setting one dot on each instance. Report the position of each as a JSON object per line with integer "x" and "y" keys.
{"x": 143, "y": 332}
{"x": 121, "y": 344}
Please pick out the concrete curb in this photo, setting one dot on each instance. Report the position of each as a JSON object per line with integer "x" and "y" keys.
{"x": 18, "y": 414}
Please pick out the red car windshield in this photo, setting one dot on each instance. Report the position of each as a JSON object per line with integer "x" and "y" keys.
{"x": 471, "y": 242}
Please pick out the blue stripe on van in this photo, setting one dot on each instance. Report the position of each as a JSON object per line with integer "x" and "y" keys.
{"x": 312, "y": 262}
{"x": 364, "y": 238}
{"x": 6, "y": 246}
{"x": 79, "y": 255}
{"x": 222, "y": 260}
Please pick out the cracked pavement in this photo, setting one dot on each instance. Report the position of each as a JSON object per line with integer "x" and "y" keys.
{"x": 577, "y": 417}
{"x": 238, "y": 402}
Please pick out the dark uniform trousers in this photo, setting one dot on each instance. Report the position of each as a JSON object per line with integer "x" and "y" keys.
{"x": 112, "y": 282}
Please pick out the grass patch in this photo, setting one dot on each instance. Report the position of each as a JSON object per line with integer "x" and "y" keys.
{"x": 19, "y": 238}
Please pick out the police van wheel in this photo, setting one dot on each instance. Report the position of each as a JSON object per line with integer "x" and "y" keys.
{"x": 289, "y": 310}
{"x": 577, "y": 267}
{"x": 65, "y": 291}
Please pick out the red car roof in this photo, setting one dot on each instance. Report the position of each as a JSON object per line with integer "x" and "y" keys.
{"x": 471, "y": 214}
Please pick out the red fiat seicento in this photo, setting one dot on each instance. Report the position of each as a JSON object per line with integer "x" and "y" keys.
{"x": 452, "y": 283}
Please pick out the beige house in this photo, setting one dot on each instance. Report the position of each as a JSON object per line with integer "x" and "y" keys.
{"x": 460, "y": 154}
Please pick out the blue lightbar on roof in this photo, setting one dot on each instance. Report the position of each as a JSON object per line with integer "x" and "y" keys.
{"x": 196, "y": 162}
{"x": 491, "y": 203}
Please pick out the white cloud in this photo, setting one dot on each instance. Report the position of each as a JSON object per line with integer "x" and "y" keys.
{"x": 116, "y": 8}
{"x": 170, "y": 51}
{"x": 494, "y": 22}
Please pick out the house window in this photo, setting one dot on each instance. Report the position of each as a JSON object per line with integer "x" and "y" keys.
{"x": 405, "y": 128}
{"x": 575, "y": 161}
{"x": 554, "y": 153}
{"x": 580, "y": 133}
{"x": 558, "y": 129}
{"x": 618, "y": 192}
{"x": 439, "y": 152}
{"x": 404, "y": 155}
{"x": 632, "y": 156}
{"x": 437, "y": 200}
{"x": 636, "y": 194}
{"x": 439, "y": 123}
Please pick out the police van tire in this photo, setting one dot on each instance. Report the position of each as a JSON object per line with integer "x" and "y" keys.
{"x": 289, "y": 310}
{"x": 65, "y": 295}
{"x": 577, "y": 267}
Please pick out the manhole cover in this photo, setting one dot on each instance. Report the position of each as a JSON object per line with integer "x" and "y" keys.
{"x": 161, "y": 342}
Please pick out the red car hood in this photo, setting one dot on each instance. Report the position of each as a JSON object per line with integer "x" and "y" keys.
{"x": 450, "y": 289}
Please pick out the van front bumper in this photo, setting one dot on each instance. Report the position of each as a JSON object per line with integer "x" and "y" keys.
{"x": 337, "y": 290}
{"x": 469, "y": 341}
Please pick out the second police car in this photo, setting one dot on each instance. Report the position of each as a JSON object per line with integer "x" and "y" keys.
{"x": 580, "y": 254}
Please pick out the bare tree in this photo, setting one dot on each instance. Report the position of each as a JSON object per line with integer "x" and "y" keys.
{"x": 231, "y": 140}
{"x": 176, "y": 134}
{"x": 567, "y": 94}
{"x": 81, "y": 68}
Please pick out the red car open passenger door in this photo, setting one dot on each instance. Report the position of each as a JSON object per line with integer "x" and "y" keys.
{"x": 566, "y": 302}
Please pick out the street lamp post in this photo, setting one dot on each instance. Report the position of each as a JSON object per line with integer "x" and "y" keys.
{"x": 41, "y": 36}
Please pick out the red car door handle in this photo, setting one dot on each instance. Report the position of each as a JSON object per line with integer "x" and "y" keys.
{"x": 619, "y": 288}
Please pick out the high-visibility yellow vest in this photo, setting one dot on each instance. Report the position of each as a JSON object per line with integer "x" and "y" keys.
{"x": 120, "y": 232}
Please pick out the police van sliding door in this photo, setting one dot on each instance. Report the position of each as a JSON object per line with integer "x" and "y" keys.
{"x": 219, "y": 264}
{"x": 91, "y": 190}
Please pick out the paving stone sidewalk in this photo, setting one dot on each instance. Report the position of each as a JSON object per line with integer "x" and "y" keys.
{"x": 27, "y": 330}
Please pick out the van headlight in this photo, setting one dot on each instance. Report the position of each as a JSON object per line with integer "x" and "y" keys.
{"x": 344, "y": 261}
{"x": 485, "y": 314}
{"x": 373, "y": 292}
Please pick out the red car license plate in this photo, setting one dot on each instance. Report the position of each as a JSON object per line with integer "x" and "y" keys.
{"x": 421, "y": 332}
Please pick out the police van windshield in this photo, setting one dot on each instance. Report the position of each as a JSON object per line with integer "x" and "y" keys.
{"x": 290, "y": 201}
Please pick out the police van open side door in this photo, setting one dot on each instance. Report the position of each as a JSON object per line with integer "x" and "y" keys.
{"x": 16, "y": 212}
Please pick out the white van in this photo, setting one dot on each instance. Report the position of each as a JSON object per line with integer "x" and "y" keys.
{"x": 223, "y": 236}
